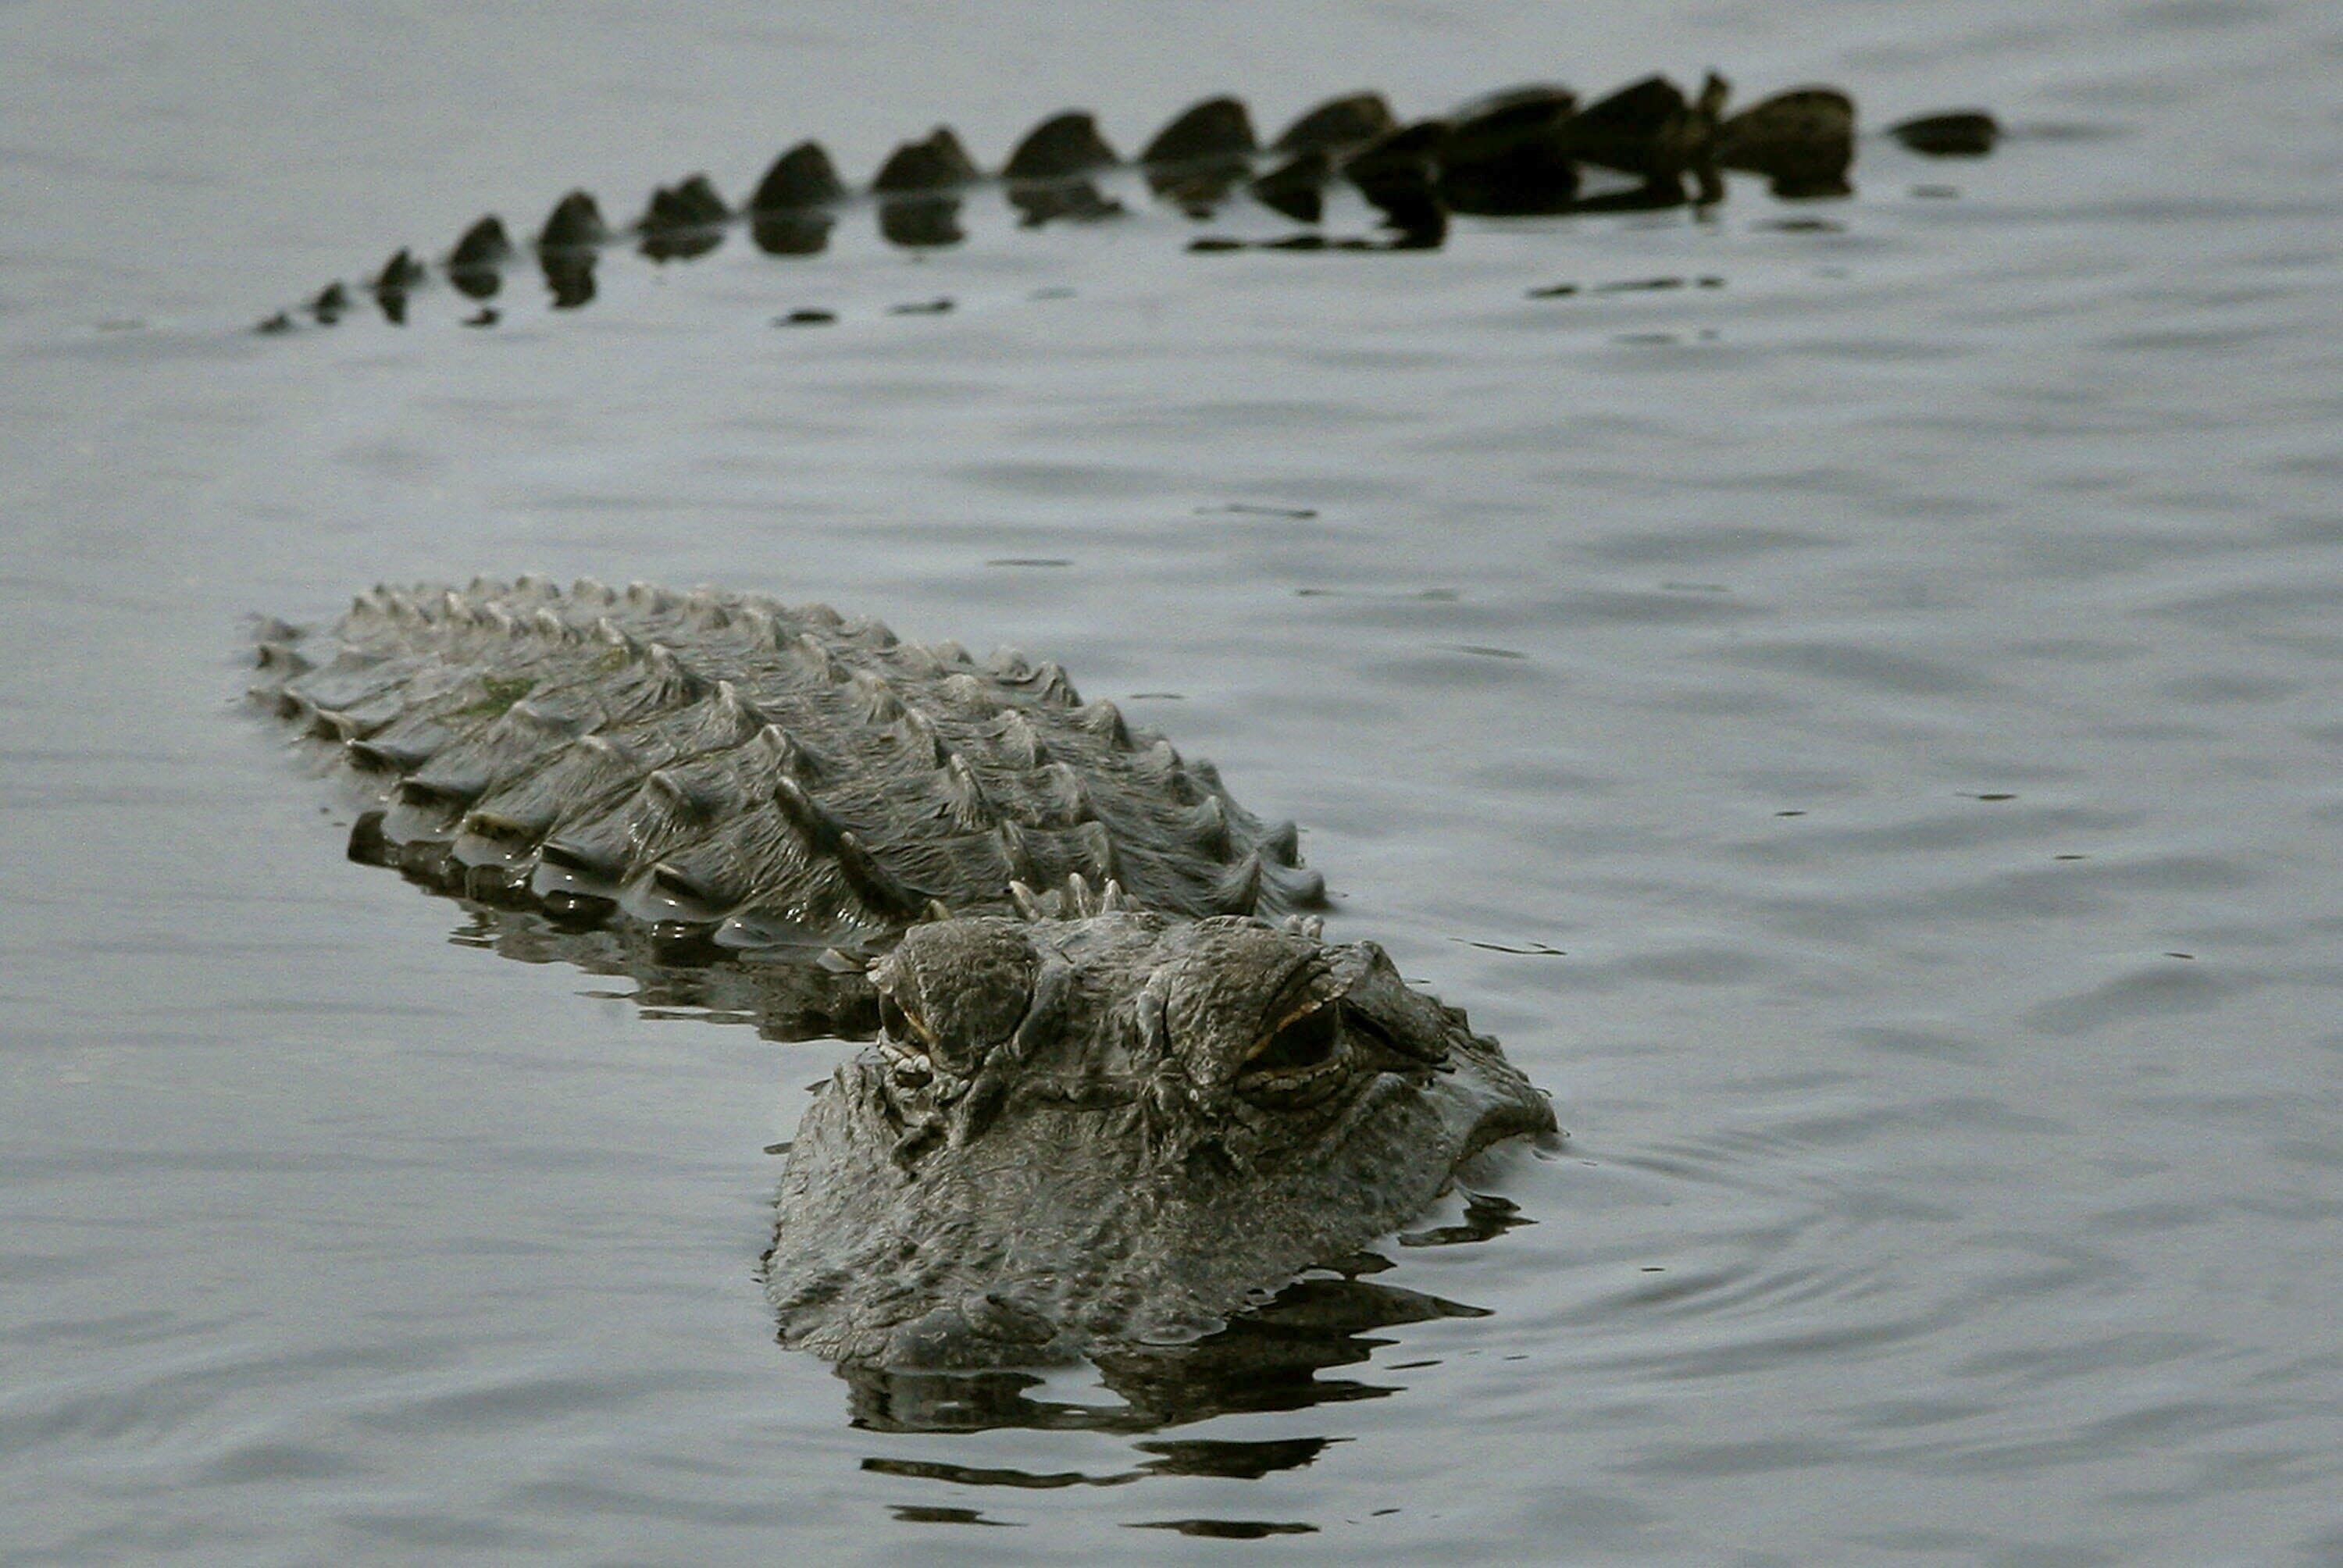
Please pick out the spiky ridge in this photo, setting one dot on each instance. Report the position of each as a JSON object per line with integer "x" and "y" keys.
{"x": 718, "y": 762}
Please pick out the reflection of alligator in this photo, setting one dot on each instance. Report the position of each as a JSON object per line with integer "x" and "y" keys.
{"x": 1275, "y": 1357}
{"x": 1104, "y": 1115}
{"x": 1521, "y": 151}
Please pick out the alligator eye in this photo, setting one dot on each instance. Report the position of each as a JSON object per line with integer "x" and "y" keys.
{"x": 910, "y": 1024}
{"x": 1302, "y": 1043}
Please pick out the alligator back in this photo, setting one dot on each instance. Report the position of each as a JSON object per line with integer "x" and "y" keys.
{"x": 720, "y": 766}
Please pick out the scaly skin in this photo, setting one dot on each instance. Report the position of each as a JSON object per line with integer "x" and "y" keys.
{"x": 718, "y": 766}
{"x": 1119, "y": 1130}
{"x": 1109, "y": 1114}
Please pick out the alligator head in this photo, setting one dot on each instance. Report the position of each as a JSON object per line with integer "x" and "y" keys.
{"x": 1072, "y": 1133}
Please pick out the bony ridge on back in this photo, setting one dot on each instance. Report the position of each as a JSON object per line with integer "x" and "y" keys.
{"x": 1516, "y": 151}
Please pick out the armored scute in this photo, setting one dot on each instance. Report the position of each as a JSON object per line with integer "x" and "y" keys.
{"x": 717, "y": 765}
{"x": 1513, "y": 152}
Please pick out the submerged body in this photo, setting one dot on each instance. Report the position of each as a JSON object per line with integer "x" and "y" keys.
{"x": 1115, "y": 1110}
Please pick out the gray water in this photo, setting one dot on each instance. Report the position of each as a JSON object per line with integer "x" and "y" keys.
{"x": 1864, "y": 735}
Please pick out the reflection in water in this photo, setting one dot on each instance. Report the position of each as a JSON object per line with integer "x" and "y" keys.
{"x": 917, "y": 191}
{"x": 401, "y": 276}
{"x": 566, "y": 248}
{"x": 1194, "y": 162}
{"x": 683, "y": 221}
{"x": 569, "y": 276}
{"x": 1957, "y": 134}
{"x": 1427, "y": 234}
{"x": 1049, "y": 176}
{"x": 921, "y": 223}
{"x": 1227, "y": 1529}
{"x": 1052, "y": 201}
{"x": 913, "y": 1514}
{"x": 1219, "y": 1458}
{"x": 1232, "y": 1461}
{"x": 1268, "y": 1358}
{"x": 785, "y": 1002}
{"x": 680, "y": 245}
{"x": 1198, "y": 189}
{"x": 1509, "y": 154}
{"x": 1486, "y": 1216}
{"x": 790, "y": 233}
{"x": 1296, "y": 188}
{"x": 791, "y": 211}
{"x": 476, "y": 266}
{"x": 1627, "y": 286}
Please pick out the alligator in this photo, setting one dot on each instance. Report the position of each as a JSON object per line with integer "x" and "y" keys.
{"x": 1525, "y": 150}
{"x": 1121, "y": 1085}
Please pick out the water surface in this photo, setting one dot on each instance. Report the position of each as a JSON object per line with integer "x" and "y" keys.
{"x": 1863, "y": 734}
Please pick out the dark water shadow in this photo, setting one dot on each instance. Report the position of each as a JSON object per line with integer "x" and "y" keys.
{"x": 568, "y": 277}
{"x": 792, "y": 233}
{"x": 1043, "y": 202}
{"x": 785, "y": 997}
{"x": 1269, "y": 1359}
{"x": 922, "y": 221}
